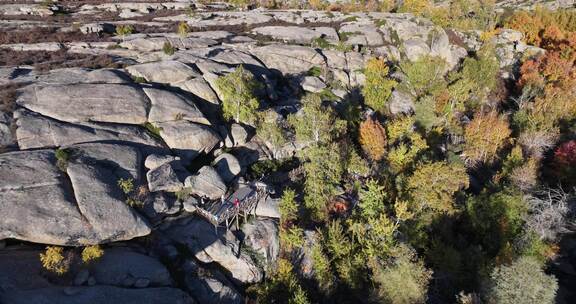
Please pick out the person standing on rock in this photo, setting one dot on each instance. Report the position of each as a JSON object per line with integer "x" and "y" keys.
{"x": 236, "y": 203}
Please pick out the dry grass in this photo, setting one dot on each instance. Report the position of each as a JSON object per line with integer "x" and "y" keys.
{"x": 44, "y": 61}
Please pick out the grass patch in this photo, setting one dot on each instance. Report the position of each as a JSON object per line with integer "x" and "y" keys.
{"x": 62, "y": 158}
{"x": 153, "y": 130}
{"x": 168, "y": 48}
{"x": 314, "y": 71}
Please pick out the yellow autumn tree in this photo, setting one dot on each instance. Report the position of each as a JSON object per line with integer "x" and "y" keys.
{"x": 485, "y": 135}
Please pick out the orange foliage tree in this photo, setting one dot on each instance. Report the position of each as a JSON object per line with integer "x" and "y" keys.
{"x": 373, "y": 139}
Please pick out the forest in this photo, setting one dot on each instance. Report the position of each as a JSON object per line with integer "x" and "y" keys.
{"x": 465, "y": 199}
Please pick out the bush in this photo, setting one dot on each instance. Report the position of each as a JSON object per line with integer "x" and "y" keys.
{"x": 405, "y": 281}
{"x": 433, "y": 185}
{"x": 91, "y": 253}
{"x": 378, "y": 86}
{"x": 269, "y": 129}
{"x": 549, "y": 213}
{"x": 168, "y": 48}
{"x": 564, "y": 162}
{"x": 183, "y": 29}
{"x": 425, "y": 74}
{"x": 239, "y": 102}
{"x": 373, "y": 139}
{"x": 416, "y": 7}
{"x": 126, "y": 185}
{"x": 53, "y": 260}
{"x": 485, "y": 135}
{"x": 62, "y": 158}
{"x": 523, "y": 281}
{"x": 288, "y": 206}
{"x": 123, "y": 30}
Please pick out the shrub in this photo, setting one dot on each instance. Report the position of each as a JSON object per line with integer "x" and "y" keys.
{"x": 53, "y": 260}
{"x": 123, "y": 30}
{"x": 168, "y": 48}
{"x": 126, "y": 185}
{"x": 373, "y": 139}
{"x": 322, "y": 269}
{"x": 91, "y": 253}
{"x": 416, "y": 7}
{"x": 405, "y": 281}
{"x": 183, "y": 29}
{"x": 288, "y": 206}
{"x": 291, "y": 238}
{"x": 433, "y": 185}
{"x": 314, "y": 71}
{"x": 239, "y": 102}
{"x": 269, "y": 129}
{"x": 378, "y": 86}
{"x": 282, "y": 286}
{"x": 549, "y": 211}
{"x": 425, "y": 74}
{"x": 523, "y": 281}
{"x": 62, "y": 158}
{"x": 485, "y": 135}
{"x": 564, "y": 161}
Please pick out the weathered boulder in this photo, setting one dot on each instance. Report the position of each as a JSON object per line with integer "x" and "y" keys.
{"x": 288, "y": 59}
{"x": 167, "y": 71}
{"x": 86, "y": 102}
{"x": 365, "y": 33}
{"x": 296, "y": 34}
{"x": 5, "y": 132}
{"x": 262, "y": 236}
{"x": 38, "y": 203}
{"x": 227, "y": 166}
{"x": 313, "y": 84}
{"x": 200, "y": 88}
{"x": 36, "y": 131}
{"x": 169, "y": 106}
{"x": 268, "y": 207}
{"x": 119, "y": 266}
{"x": 415, "y": 48}
{"x": 166, "y": 177}
{"x": 159, "y": 205}
{"x": 188, "y": 139}
{"x": 206, "y": 182}
{"x": 208, "y": 247}
{"x": 239, "y": 134}
{"x": 97, "y": 295}
{"x": 400, "y": 102}
{"x": 209, "y": 286}
{"x": 94, "y": 171}
{"x": 154, "y": 161}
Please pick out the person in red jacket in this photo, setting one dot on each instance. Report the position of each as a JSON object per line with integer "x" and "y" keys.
{"x": 236, "y": 203}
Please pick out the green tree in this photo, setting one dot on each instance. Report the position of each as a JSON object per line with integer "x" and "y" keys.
{"x": 315, "y": 122}
{"x": 239, "y": 102}
{"x": 425, "y": 74}
{"x": 324, "y": 169}
{"x": 405, "y": 281}
{"x": 523, "y": 281}
{"x": 372, "y": 199}
{"x": 378, "y": 86}
{"x": 433, "y": 185}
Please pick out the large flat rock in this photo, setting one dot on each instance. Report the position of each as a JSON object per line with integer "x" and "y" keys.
{"x": 169, "y": 106}
{"x": 35, "y": 202}
{"x": 97, "y": 295}
{"x": 298, "y": 34}
{"x": 289, "y": 59}
{"x": 115, "y": 103}
{"x": 167, "y": 71}
{"x": 40, "y": 203}
{"x": 37, "y": 131}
